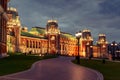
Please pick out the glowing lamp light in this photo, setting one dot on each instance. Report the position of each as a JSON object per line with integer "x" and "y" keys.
{"x": 115, "y": 44}
{"x": 78, "y": 34}
{"x": 103, "y": 46}
{"x": 91, "y": 46}
{"x": 111, "y": 44}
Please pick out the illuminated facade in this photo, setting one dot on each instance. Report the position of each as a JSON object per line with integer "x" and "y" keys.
{"x": 13, "y": 30}
{"x": 3, "y": 30}
{"x": 33, "y": 42}
{"x": 102, "y": 46}
{"x": 50, "y": 39}
{"x": 53, "y": 36}
{"x": 86, "y": 43}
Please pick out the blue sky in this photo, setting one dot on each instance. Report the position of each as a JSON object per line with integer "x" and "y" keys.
{"x": 100, "y": 16}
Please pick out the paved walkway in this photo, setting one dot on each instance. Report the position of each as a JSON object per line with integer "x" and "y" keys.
{"x": 55, "y": 69}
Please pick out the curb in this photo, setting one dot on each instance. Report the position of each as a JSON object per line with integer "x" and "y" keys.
{"x": 99, "y": 75}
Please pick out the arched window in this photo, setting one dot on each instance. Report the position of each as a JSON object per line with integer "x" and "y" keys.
{"x": 30, "y": 44}
{"x": 27, "y": 43}
{"x": 39, "y": 45}
{"x": 36, "y": 44}
{"x": 33, "y": 44}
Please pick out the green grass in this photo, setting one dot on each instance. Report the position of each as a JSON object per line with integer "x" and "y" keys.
{"x": 18, "y": 62}
{"x": 110, "y": 70}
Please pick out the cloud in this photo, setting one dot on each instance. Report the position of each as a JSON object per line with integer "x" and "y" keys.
{"x": 100, "y": 16}
{"x": 110, "y": 7}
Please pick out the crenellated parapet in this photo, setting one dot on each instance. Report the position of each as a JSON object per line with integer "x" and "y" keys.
{"x": 12, "y": 9}
{"x": 52, "y": 27}
{"x": 102, "y": 39}
{"x": 14, "y": 19}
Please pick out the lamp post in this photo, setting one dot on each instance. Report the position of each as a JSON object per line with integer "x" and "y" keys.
{"x": 91, "y": 52}
{"x": 113, "y": 45}
{"x": 78, "y": 36}
{"x": 103, "y": 54}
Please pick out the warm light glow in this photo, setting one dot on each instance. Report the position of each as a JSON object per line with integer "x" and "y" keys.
{"x": 86, "y": 30}
{"x": 83, "y": 54}
{"x": 106, "y": 42}
{"x": 115, "y": 44}
{"x": 102, "y": 40}
{"x": 91, "y": 46}
{"x": 101, "y": 34}
{"x": 88, "y": 43}
{"x": 12, "y": 9}
{"x": 78, "y": 34}
{"x": 52, "y": 21}
{"x": 103, "y": 46}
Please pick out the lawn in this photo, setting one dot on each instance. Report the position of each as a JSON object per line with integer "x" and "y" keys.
{"x": 19, "y": 62}
{"x": 110, "y": 70}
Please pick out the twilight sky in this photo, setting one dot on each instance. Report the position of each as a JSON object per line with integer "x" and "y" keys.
{"x": 100, "y": 16}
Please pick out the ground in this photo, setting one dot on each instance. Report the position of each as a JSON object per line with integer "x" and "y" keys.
{"x": 55, "y": 69}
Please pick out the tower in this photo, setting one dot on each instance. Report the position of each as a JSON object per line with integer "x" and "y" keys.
{"x": 53, "y": 36}
{"x": 86, "y": 43}
{"x": 102, "y": 44}
{"x": 3, "y": 30}
{"x": 13, "y": 29}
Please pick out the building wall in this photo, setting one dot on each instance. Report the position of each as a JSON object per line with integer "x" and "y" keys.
{"x": 52, "y": 40}
{"x": 86, "y": 43}
{"x": 96, "y": 51}
{"x": 3, "y": 30}
{"x": 102, "y": 44}
{"x": 11, "y": 44}
{"x": 13, "y": 29}
{"x": 31, "y": 45}
{"x": 53, "y": 36}
{"x": 68, "y": 46}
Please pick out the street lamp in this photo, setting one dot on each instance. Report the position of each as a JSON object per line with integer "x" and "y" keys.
{"x": 78, "y": 36}
{"x": 113, "y": 45}
{"x": 103, "y": 54}
{"x": 91, "y": 52}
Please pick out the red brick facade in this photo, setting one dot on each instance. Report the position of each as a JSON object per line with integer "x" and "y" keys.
{"x": 3, "y": 30}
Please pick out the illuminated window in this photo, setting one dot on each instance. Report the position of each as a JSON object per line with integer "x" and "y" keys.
{"x": 30, "y": 44}
{"x": 27, "y": 43}
{"x": 36, "y": 45}
{"x": 39, "y": 44}
{"x": 53, "y": 38}
{"x": 33, "y": 44}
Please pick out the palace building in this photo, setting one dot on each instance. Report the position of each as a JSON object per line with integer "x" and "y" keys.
{"x": 102, "y": 45}
{"x": 86, "y": 43}
{"x": 3, "y": 26}
{"x": 51, "y": 40}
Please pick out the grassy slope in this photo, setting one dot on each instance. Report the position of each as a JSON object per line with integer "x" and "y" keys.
{"x": 16, "y": 63}
{"x": 110, "y": 70}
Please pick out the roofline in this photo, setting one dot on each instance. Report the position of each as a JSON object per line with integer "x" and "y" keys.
{"x": 38, "y": 27}
{"x": 66, "y": 33}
